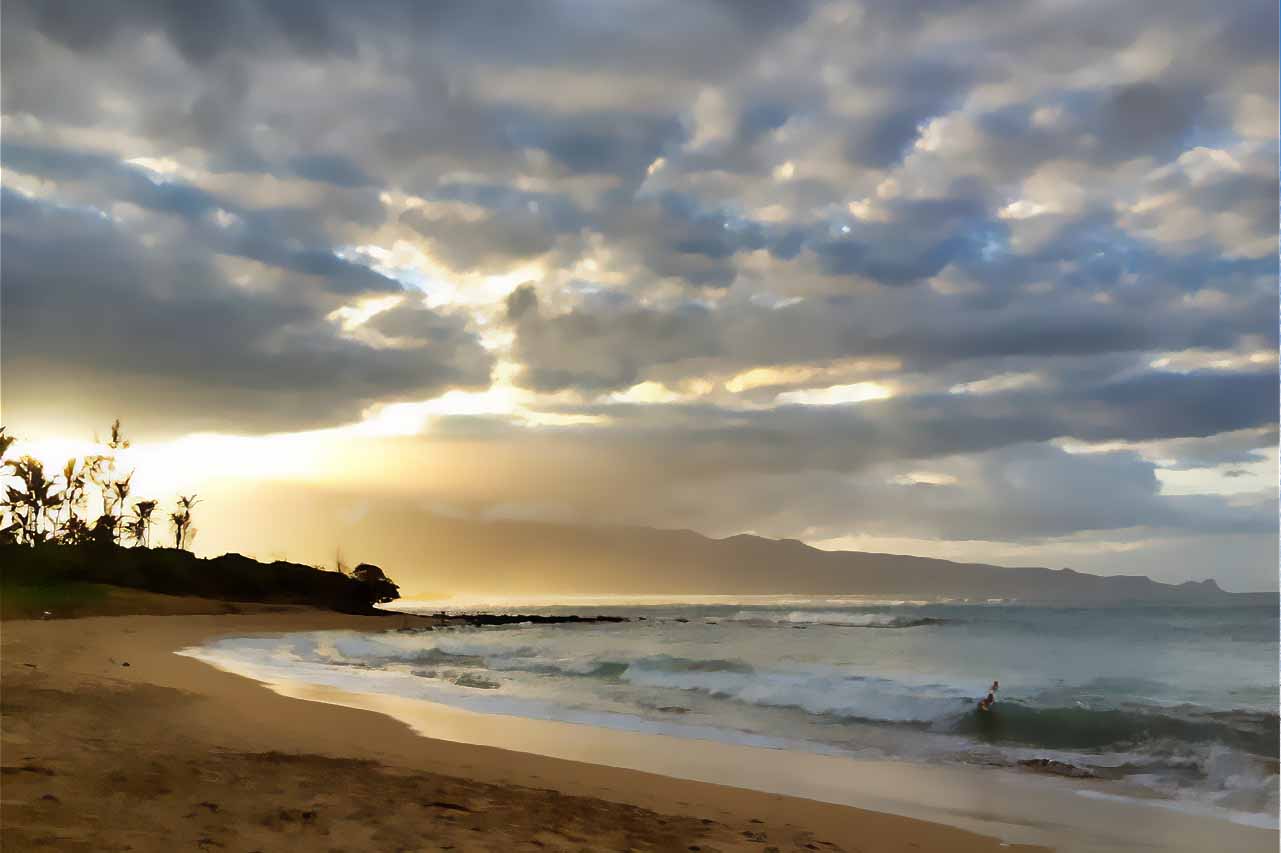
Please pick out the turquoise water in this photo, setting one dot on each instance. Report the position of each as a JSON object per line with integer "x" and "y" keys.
{"x": 1179, "y": 700}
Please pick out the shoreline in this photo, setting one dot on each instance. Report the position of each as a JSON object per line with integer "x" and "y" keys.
{"x": 843, "y": 802}
{"x": 108, "y": 735}
{"x": 1008, "y": 804}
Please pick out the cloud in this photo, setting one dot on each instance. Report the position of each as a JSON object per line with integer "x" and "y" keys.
{"x": 582, "y": 349}
{"x": 163, "y": 339}
{"x": 915, "y": 329}
{"x": 676, "y": 220}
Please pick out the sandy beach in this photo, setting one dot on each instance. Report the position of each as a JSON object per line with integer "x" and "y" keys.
{"x": 113, "y": 742}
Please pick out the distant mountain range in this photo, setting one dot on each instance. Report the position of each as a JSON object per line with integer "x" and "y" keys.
{"x": 449, "y": 555}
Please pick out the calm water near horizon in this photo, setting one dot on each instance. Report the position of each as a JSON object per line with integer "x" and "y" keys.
{"x": 1179, "y": 702}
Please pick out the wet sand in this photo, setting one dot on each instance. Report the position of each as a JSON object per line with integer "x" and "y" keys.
{"x": 111, "y": 741}
{"x": 1010, "y": 804}
{"x": 170, "y": 753}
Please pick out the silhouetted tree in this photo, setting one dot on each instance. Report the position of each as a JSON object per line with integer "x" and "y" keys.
{"x": 30, "y": 501}
{"x": 120, "y": 492}
{"x": 180, "y": 520}
{"x": 8, "y": 527}
{"x": 73, "y": 494}
{"x": 381, "y": 589}
{"x": 140, "y": 524}
{"x": 35, "y": 508}
{"x": 102, "y": 469}
{"x": 104, "y": 530}
{"x": 75, "y": 531}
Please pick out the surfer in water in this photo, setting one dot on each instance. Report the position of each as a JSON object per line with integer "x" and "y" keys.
{"x": 986, "y": 703}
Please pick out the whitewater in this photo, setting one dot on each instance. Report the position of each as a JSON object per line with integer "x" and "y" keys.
{"x": 1179, "y": 703}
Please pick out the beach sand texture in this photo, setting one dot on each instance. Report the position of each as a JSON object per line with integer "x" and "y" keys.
{"x": 112, "y": 742}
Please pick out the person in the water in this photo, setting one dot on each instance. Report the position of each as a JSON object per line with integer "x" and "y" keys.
{"x": 986, "y": 703}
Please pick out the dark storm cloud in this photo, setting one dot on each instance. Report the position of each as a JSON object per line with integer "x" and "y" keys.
{"x": 1024, "y": 493}
{"x": 912, "y": 92}
{"x": 1229, "y": 448}
{"x": 941, "y": 232}
{"x": 557, "y": 33}
{"x": 200, "y": 32}
{"x": 929, "y": 426}
{"x": 517, "y": 225}
{"x": 1066, "y": 192}
{"x": 333, "y": 169}
{"x": 256, "y": 234}
{"x": 557, "y": 211}
{"x": 632, "y": 342}
{"x": 595, "y": 143}
{"x": 674, "y": 235}
{"x": 492, "y": 244}
{"x": 91, "y": 313}
{"x": 595, "y": 352}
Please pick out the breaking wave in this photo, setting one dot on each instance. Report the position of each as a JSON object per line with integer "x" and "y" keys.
{"x": 739, "y": 678}
{"x": 836, "y": 619}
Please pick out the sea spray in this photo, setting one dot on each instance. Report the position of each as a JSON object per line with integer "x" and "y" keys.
{"x": 1178, "y": 700}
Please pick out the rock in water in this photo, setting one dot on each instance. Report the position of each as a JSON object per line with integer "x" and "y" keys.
{"x": 1058, "y": 768}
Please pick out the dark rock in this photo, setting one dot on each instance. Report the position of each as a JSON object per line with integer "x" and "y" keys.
{"x": 482, "y": 619}
{"x": 1057, "y": 768}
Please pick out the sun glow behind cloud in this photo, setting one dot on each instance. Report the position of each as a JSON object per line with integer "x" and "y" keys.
{"x": 184, "y": 465}
{"x": 764, "y": 249}
{"x": 837, "y": 395}
{"x": 410, "y": 263}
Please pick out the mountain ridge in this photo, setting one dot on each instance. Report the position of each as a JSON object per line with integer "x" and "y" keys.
{"x": 518, "y": 557}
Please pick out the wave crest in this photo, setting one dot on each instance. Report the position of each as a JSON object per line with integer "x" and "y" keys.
{"x": 836, "y": 619}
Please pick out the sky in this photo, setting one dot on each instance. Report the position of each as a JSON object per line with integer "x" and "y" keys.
{"x": 990, "y": 281}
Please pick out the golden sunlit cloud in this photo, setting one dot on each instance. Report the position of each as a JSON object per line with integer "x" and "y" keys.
{"x": 767, "y": 377}
{"x": 975, "y": 550}
{"x": 1190, "y": 360}
{"x": 502, "y": 399}
{"x": 998, "y": 383}
{"x": 184, "y": 465}
{"x": 647, "y": 392}
{"x": 837, "y": 395}
{"x": 926, "y": 478}
{"x": 353, "y": 316}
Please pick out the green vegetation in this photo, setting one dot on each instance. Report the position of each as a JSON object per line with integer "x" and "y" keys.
{"x": 52, "y": 557}
{"x": 32, "y": 600}
{"x": 38, "y": 508}
{"x": 54, "y": 570}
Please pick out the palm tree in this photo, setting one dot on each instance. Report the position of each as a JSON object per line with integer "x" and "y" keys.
{"x": 181, "y": 520}
{"x": 31, "y": 504}
{"x": 35, "y": 508}
{"x": 8, "y": 529}
{"x": 117, "y": 441}
{"x": 140, "y": 526}
{"x": 120, "y": 492}
{"x": 73, "y": 485}
{"x": 102, "y": 467}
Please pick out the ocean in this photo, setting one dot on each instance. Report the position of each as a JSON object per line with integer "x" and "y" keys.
{"x": 1179, "y": 703}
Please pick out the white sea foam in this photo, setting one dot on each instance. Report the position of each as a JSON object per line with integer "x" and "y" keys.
{"x": 837, "y": 618}
{"x": 1259, "y": 820}
{"x": 733, "y": 672}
